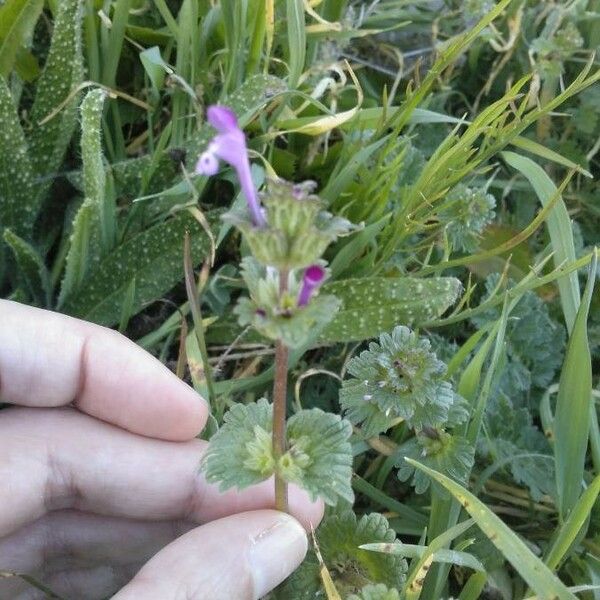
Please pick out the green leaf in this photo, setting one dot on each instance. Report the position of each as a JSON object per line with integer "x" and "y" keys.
{"x": 153, "y": 258}
{"x": 454, "y": 557}
{"x": 323, "y": 438}
{"x": 371, "y": 306}
{"x": 296, "y": 37}
{"x": 559, "y": 228}
{"x": 318, "y": 459}
{"x": 573, "y": 406}
{"x": 399, "y": 378}
{"x": 94, "y": 173}
{"x": 85, "y": 237}
{"x": 62, "y": 73}
{"x": 17, "y": 207}
{"x": 155, "y": 66}
{"x": 539, "y": 577}
{"x": 93, "y": 225}
{"x": 572, "y": 527}
{"x": 31, "y": 268}
{"x": 376, "y": 592}
{"x": 240, "y": 454}
{"x": 340, "y": 538}
{"x": 17, "y": 20}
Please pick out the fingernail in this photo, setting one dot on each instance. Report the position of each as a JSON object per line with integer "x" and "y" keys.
{"x": 276, "y": 552}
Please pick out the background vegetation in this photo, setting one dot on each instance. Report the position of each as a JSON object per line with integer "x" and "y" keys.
{"x": 465, "y": 136}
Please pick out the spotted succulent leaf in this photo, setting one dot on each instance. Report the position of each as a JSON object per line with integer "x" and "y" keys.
{"x": 63, "y": 72}
{"x": 373, "y": 305}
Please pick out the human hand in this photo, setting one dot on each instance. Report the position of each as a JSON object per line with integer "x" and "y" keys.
{"x": 99, "y": 471}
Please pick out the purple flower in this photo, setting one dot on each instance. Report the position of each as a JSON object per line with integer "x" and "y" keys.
{"x": 230, "y": 145}
{"x": 313, "y": 278}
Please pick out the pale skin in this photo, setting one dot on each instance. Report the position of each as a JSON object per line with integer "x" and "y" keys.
{"x": 100, "y": 491}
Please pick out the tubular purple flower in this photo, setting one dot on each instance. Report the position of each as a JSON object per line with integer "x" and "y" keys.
{"x": 230, "y": 145}
{"x": 313, "y": 278}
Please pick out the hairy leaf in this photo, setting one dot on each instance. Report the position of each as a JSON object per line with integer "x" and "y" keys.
{"x": 17, "y": 206}
{"x": 318, "y": 459}
{"x": 371, "y": 306}
{"x": 152, "y": 257}
{"x": 352, "y": 568}
{"x": 62, "y": 73}
{"x": 32, "y": 271}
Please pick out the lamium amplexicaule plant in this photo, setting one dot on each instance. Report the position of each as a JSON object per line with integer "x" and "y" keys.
{"x": 286, "y": 229}
{"x": 422, "y": 312}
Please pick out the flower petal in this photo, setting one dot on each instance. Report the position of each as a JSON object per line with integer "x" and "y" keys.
{"x": 222, "y": 118}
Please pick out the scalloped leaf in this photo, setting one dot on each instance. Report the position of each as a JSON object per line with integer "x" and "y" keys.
{"x": 153, "y": 258}
{"x": 318, "y": 459}
{"x": 237, "y": 455}
{"x": 352, "y": 568}
{"x": 376, "y": 592}
{"x": 323, "y": 437}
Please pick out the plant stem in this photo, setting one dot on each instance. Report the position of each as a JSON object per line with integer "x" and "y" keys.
{"x": 279, "y": 408}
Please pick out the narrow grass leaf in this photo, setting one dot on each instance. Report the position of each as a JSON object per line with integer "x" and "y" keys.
{"x": 17, "y": 20}
{"x": 559, "y": 228}
{"x": 539, "y": 577}
{"x": 572, "y": 416}
{"x": 574, "y": 524}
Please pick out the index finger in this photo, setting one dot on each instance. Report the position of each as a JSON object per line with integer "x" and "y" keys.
{"x": 48, "y": 359}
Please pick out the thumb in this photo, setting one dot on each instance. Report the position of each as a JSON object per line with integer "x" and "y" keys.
{"x": 241, "y": 557}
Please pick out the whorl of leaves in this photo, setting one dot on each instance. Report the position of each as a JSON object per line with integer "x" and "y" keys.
{"x": 318, "y": 459}
{"x": 399, "y": 377}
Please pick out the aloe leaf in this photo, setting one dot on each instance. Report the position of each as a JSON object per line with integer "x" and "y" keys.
{"x": 31, "y": 268}
{"x": 153, "y": 258}
{"x": 17, "y": 209}
{"x": 572, "y": 417}
{"x": 539, "y": 577}
{"x": 93, "y": 225}
{"x": 17, "y": 20}
{"x": 85, "y": 237}
{"x": 62, "y": 73}
{"x": 371, "y": 306}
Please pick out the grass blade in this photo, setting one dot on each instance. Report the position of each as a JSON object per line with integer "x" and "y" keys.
{"x": 539, "y": 577}
{"x": 559, "y": 228}
{"x": 572, "y": 417}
